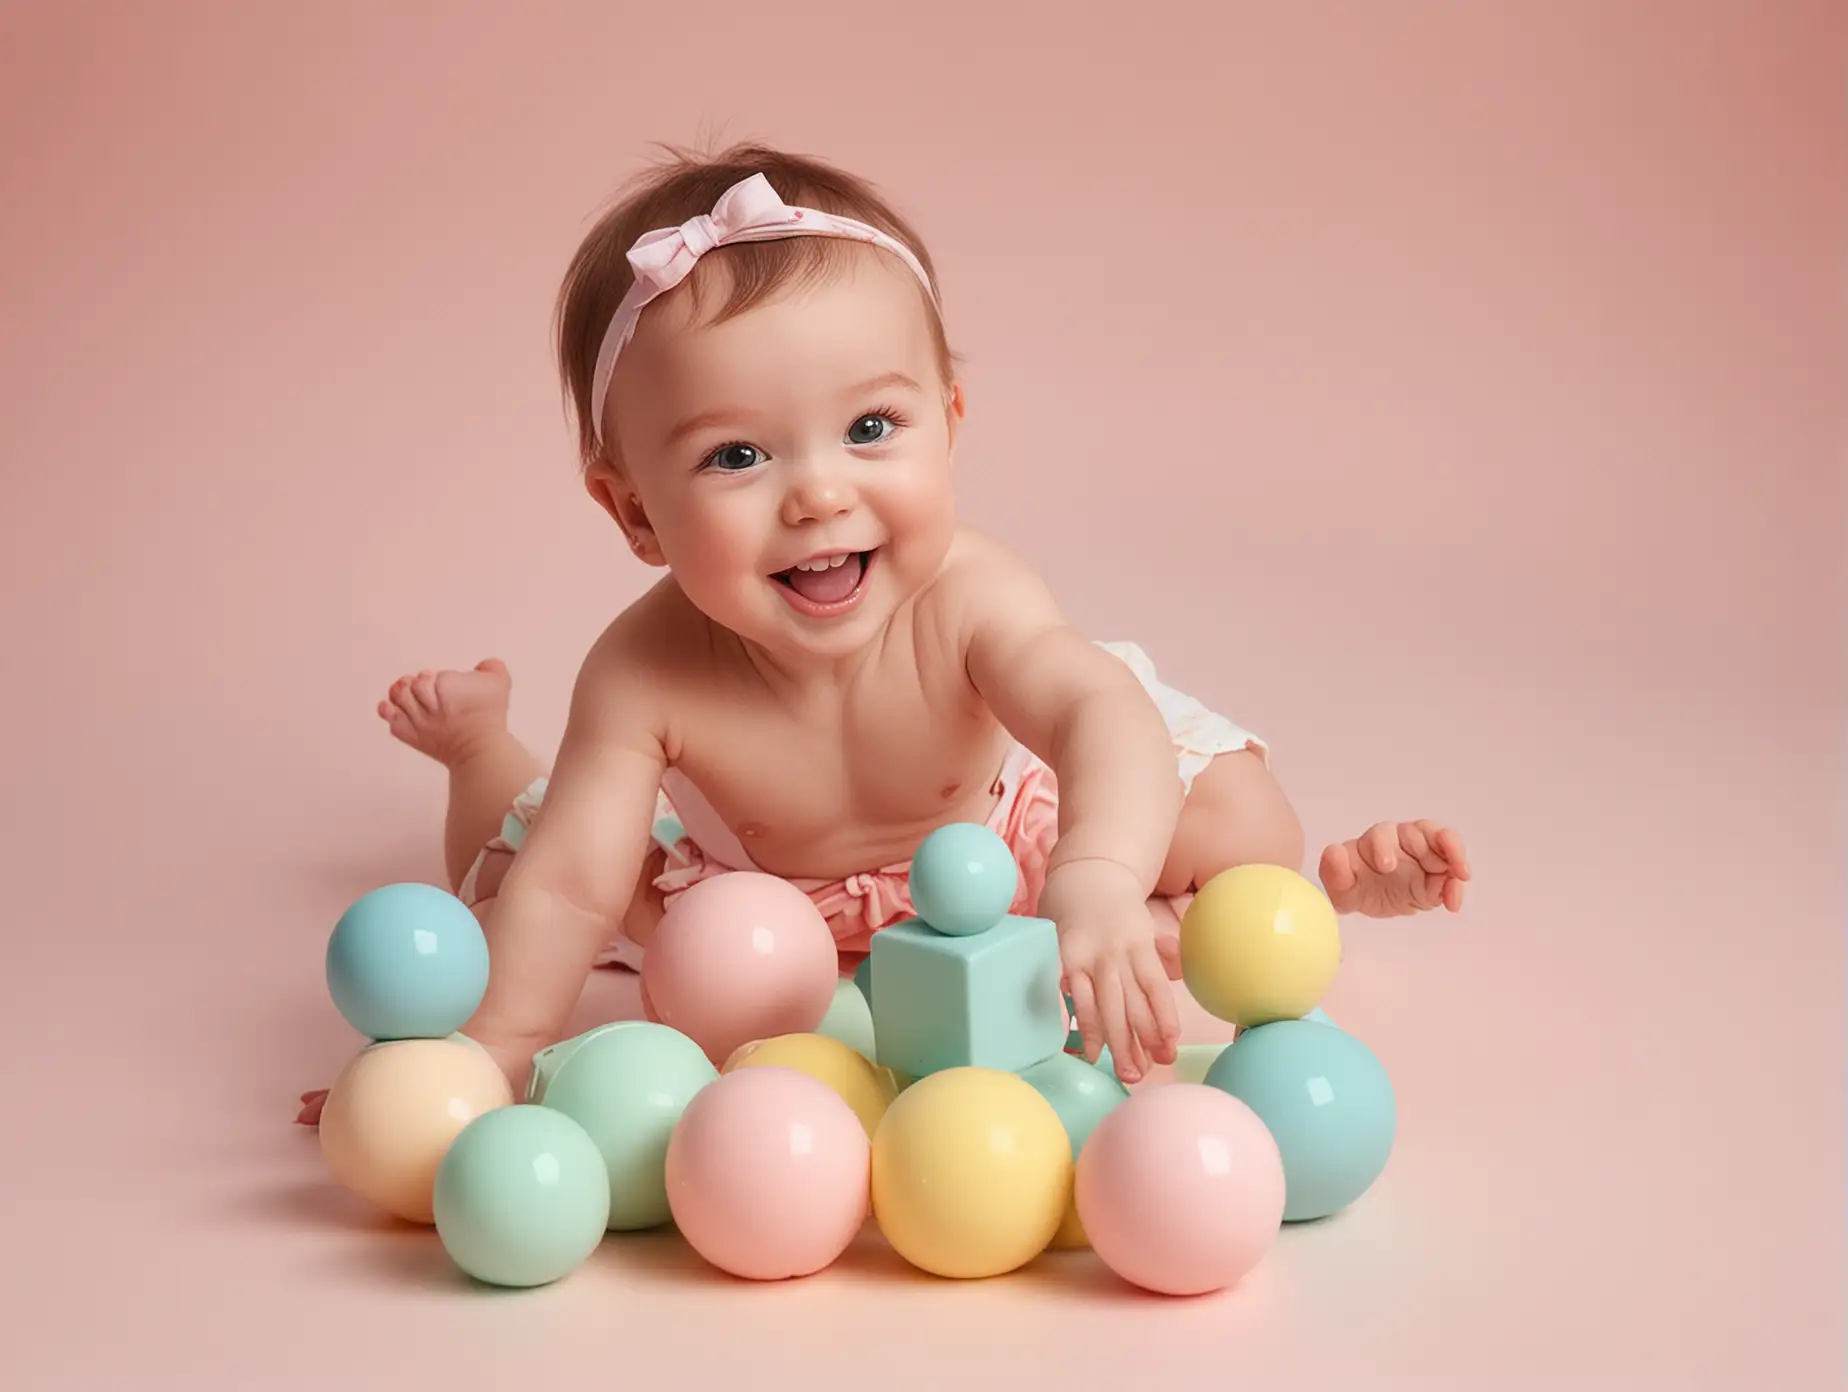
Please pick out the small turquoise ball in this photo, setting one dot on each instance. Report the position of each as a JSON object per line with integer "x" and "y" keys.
{"x": 963, "y": 879}
{"x": 521, "y": 1196}
{"x": 626, "y": 1083}
{"x": 1083, "y": 1094}
{"x": 1326, "y": 1099}
{"x": 407, "y": 961}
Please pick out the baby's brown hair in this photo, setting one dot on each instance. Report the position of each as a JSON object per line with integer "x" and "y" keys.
{"x": 688, "y": 184}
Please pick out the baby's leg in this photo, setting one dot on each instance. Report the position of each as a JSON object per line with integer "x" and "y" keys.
{"x": 460, "y": 720}
{"x": 1235, "y": 814}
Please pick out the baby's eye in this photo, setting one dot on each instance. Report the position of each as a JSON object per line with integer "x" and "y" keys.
{"x": 870, "y": 430}
{"x": 733, "y": 458}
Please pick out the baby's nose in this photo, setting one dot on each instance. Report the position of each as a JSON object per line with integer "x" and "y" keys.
{"x": 817, "y": 492}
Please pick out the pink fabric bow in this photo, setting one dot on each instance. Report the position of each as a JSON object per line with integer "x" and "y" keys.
{"x": 748, "y": 211}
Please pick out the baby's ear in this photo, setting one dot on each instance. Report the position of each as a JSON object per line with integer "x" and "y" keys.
{"x": 956, "y": 407}
{"x": 619, "y": 500}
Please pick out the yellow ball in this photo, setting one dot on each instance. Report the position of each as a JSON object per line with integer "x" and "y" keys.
{"x": 862, "y": 1084}
{"x": 1070, "y": 1237}
{"x": 1259, "y": 943}
{"x": 391, "y": 1114}
{"x": 972, "y": 1173}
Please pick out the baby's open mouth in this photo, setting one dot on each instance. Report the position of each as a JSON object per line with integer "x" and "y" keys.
{"x": 828, "y": 582}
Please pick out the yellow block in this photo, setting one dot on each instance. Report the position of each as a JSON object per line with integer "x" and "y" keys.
{"x": 1259, "y": 943}
{"x": 861, "y": 1083}
{"x": 972, "y": 1173}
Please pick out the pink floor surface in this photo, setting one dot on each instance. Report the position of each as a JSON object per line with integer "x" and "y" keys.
{"x": 1619, "y": 1073}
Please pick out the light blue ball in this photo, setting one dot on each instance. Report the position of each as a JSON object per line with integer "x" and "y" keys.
{"x": 408, "y": 961}
{"x": 963, "y": 879}
{"x": 1327, "y": 1101}
{"x": 521, "y": 1196}
{"x": 626, "y": 1083}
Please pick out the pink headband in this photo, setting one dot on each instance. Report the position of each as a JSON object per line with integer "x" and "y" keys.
{"x": 748, "y": 211}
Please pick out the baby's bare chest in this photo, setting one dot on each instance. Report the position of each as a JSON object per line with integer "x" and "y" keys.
{"x": 834, "y": 790}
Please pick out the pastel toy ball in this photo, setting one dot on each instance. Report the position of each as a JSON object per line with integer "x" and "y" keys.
{"x": 407, "y": 961}
{"x": 850, "y": 1018}
{"x": 1259, "y": 943}
{"x": 767, "y": 1174}
{"x": 1083, "y": 1094}
{"x": 1181, "y": 1189}
{"x": 862, "y": 1084}
{"x": 737, "y": 957}
{"x": 972, "y": 1171}
{"x": 963, "y": 879}
{"x": 521, "y": 1197}
{"x": 627, "y": 1084}
{"x": 1326, "y": 1098}
{"x": 392, "y": 1112}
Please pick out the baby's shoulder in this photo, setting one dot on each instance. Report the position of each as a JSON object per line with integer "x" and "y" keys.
{"x": 659, "y": 642}
{"x": 983, "y": 579}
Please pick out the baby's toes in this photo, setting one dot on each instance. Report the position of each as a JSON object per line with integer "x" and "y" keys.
{"x": 423, "y": 692}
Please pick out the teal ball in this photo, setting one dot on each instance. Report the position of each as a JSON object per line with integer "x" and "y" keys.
{"x": 521, "y": 1196}
{"x": 407, "y": 961}
{"x": 1327, "y": 1101}
{"x": 963, "y": 879}
{"x": 1083, "y": 1094}
{"x": 626, "y": 1084}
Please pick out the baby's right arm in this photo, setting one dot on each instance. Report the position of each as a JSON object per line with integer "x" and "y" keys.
{"x": 570, "y": 884}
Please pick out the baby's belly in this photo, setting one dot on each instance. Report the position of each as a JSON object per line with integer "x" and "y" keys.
{"x": 815, "y": 830}
{"x": 833, "y": 850}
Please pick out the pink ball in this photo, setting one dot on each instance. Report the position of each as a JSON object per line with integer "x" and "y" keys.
{"x": 768, "y": 1173}
{"x": 739, "y": 957}
{"x": 1180, "y": 1189}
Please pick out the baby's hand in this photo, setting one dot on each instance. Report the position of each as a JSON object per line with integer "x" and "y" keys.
{"x": 1396, "y": 868}
{"x": 1112, "y": 969}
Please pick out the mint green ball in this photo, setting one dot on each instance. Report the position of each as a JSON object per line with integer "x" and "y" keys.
{"x": 521, "y": 1197}
{"x": 626, "y": 1083}
{"x": 850, "y": 1018}
{"x": 1083, "y": 1094}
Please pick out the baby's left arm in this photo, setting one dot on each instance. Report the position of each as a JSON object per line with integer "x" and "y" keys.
{"x": 1083, "y": 711}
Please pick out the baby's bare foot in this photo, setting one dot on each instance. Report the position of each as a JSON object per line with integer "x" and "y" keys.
{"x": 448, "y": 715}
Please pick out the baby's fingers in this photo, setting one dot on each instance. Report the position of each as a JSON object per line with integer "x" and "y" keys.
{"x": 1379, "y": 847}
{"x": 1337, "y": 869}
{"x": 1415, "y": 841}
{"x": 1084, "y": 1007}
{"x": 1450, "y": 845}
{"x": 1131, "y": 1063}
{"x": 1158, "y": 1022}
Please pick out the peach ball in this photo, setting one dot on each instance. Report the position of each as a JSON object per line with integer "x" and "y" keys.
{"x": 392, "y": 1112}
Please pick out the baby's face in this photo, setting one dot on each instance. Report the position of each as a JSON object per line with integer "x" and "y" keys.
{"x": 793, "y": 463}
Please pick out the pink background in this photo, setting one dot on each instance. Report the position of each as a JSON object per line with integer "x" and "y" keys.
{"x": 1451, "y": 393}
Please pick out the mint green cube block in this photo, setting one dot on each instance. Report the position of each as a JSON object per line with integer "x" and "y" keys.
{"x": 987, "y": 1000}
